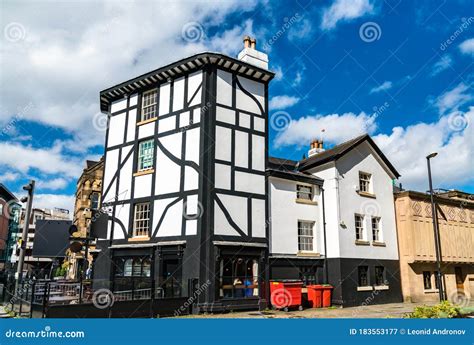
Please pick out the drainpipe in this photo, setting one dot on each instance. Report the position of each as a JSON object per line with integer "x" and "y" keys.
{"x": 326, "y": 269}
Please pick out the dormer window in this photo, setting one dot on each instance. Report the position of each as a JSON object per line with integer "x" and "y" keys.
{"x": 364, "y": 182}
{"x": 149, "y": 100}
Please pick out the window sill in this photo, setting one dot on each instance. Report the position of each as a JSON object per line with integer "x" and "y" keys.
{"x": 378, "y": 244}
{"x": 366, "y": 194}
{"x": 304, "y": 253}
{"x": 144, "y": 172}
{"x": 306, "y": 202}
{"x": 139, "y": 238}
{"x": 362, "y": 243}
{"x": 144, "y": 122}
{"x": 365, "y": 288}
{"x": 381, "y": 287}
{"x": 431, "y": 291}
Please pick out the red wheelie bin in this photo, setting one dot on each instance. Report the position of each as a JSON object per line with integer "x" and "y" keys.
{"x": 315, "y": 295}
{"x": 327, "y": 294}
{"x": 286, "y": 294}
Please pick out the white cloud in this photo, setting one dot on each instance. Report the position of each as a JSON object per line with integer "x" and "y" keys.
{"x": 54, "y": 200}
{"x": 444, "y": 63}
{"x": 300, "y": 30}
{"x": 283, "y": 102}
{"x": 452, "y": 137}
{"x": 47, "y": 160}
{"x": 9, "y": 176}
{"x": 467, "y": 47}
{"x": 338, "y": 128}
{"x": 345, "y": 10}
{"x": 454, "y": 98}
{"x": 53, "y": 184}
{"x": 386, "y": 85}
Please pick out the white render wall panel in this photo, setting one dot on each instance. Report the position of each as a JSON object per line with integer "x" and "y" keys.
{"x": 118, "y": 105}
{"x": 194, "y": 83}
{"x": 258, "y": 152}
{"x": 111, "y": 166}
{"x": 237, "y": 208}
{"x": 132, "y": 123}
{"x": 221, "y": 225}
{"x": 259, "y": 124}
{"x": 192, "y": 205}
{"x": 197, "y": 115}
{"x": 167, "y": 172}
{"x": 164, "y": 105}
{"x": 224, "y": 87}
{"x": 116, "y": 130}
{"x": 142, "y": 186}
{"x": 241, "y": 149}
{"x": 258, "y": 218}
{"x": 191, "y": 179}
{"x": 225, "y": 115}
{"x": 167, "y": 124}
{"x": 245, "y": 102}
{"x": 171, "y": 225}
{"x": 184, "y": 119}
{"x": 250, "y": 183}
{"x": 178, "y": 94}
{"x": 125, "y": 182}
{"x": 133, "y": 100}
{"x": 191, "y": 227}
{"x": 122, "y": 213}
{"x": 222, "y": 176}
{"x": 146, "y": 130}
{"x": 244, "y": 120}
{"x": 192, "y": 145}
{"x": 223, "y": 143}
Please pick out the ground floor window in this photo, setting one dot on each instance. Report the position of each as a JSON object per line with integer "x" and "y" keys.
{"x": 363, "y": 273}
{"x": 309, "y": 275}
{"x": 170, "y": 279}
{"x": 379, "y": 275}
{"x": 238, "y": 277}
{"x": 427, "y": 280}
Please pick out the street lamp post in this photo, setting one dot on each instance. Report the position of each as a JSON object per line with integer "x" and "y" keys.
{"x": 435, "y": 229}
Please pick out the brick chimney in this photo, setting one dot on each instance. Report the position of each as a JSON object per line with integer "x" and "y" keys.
{"x": 251, "y": 55}
{"x": 315, "y": 147}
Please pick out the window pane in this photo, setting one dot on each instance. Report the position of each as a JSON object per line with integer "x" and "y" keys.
{"x": 427, "y": 280}
{"x": 363, "y": 276}
{"x": 305, "y": 236}
{"x": 149, "y": 105}
{"x": 145, "y": 155}
{"x": 379, "y": 275}
{"x": 141, "y": 219}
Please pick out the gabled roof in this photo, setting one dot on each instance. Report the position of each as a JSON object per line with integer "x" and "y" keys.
{"x": 5, "y": 191}
{"x": 281, "y": 163}
{"x": 288, "y": 169}
{"x": 340, "y": 150}
{"x": 178, "y": 68}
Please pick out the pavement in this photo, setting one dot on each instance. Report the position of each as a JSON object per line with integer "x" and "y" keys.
{"x": 392, "y": 310}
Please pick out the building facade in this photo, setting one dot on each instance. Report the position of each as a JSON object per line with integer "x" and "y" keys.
{"x": 9, "y": 223}
{"x": 455, "y": 211}
{"x": 185, "y": 160}
{"x": 88, "y": 198}
{"x": 335, "y": 222}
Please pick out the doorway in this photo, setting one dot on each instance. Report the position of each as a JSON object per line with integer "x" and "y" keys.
{"x": 459, "y": 279}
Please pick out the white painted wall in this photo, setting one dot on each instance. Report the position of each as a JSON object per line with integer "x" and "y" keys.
{"x": 284, "y": 215}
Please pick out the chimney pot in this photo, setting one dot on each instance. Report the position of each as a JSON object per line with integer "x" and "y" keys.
{"x": 253, "y": 43}
{"x": 246, "y": 42}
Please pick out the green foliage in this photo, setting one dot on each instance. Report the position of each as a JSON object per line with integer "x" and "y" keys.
{"x": 442, "y": 310}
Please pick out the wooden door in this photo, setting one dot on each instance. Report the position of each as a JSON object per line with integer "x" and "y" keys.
{"x": 459, "y": 279}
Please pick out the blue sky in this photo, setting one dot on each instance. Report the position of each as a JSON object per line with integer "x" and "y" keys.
{"x": 400, "y": 70}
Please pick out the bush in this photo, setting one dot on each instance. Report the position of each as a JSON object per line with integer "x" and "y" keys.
{"x": 442, "y": 310}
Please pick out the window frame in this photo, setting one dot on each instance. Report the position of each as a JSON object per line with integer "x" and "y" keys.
{"x": 92, "y": 202}
{"x": 376, "y": 269}
{"x": 362, "y": 227}
{"x": 367, "y": 181}
{"x": 144, "y": 229}
{"x": 144, "y": 114}
{"x": 302, "y": 246}
{"x": 429, "y": 280}
{"x": 141, "y": 156}
{"x": 310, "y": 194}
{"x": 376, "y": 231}
{"x": 367, "y": 276}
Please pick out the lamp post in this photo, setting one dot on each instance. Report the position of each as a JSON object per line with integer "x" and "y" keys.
{"x": 435, "y": 229}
